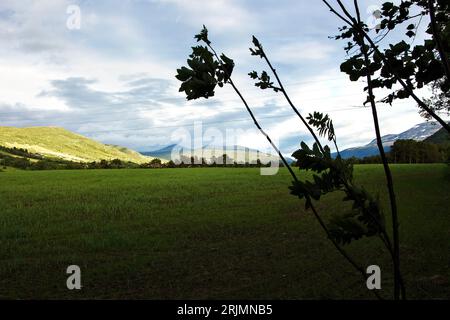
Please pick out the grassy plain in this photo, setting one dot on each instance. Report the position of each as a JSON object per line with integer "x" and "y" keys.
{"x": 208, "y": 233}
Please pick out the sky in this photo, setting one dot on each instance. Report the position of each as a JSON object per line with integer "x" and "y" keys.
{"x": 106, "y": 70}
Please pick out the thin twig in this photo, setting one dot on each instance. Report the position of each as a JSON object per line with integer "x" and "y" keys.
{"x": 290, "y": 102}
{"x": 394, "y": 72}
{"x": 387, "y": 171}
{"x": 253, "y": 116}
{"x": 342, "y": 251}
{"x": 317, "y": 216}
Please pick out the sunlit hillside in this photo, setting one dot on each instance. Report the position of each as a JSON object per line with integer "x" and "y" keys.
{"x": 59, "y": 143}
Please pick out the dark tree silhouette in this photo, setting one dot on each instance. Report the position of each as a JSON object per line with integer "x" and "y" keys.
{"x": 207, "y": 70}
{"x": 399, "y": 63}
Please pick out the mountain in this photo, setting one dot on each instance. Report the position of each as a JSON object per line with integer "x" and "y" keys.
{"x": 419, "y": 132}
{"x": 163, "y": 153}
{"x": 211, "y": 153}
{"x": 54, "y": 142}
{"x": 439, "y": 137}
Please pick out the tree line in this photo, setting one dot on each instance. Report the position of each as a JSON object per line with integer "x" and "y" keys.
{"x": 411, "y": 151}
{"x": 195, "y": 162}
{"x": 402, "y": 151}
{"x": 25, "y": 160}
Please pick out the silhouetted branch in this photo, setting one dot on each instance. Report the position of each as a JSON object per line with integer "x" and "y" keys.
{"x": 316, "y": 215}
{"x": 289, "y": 100}
{"x": 387, "y": 171}
{"x": 437, "y": 38}
{"x": 353, "y": 23}
{"x": 255, "y": 121}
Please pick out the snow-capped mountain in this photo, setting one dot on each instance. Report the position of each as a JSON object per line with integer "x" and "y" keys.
{"x": 419, "y": 132}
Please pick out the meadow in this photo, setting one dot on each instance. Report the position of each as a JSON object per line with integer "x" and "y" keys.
{"x": 208, "y": 233}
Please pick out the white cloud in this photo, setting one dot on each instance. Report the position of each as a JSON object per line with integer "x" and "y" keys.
{"x": 220, "y": 15}
{"x": 121, "y": 46}
{"x": 306, "y": 50}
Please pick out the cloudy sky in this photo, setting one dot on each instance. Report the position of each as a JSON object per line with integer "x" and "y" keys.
{"x": 112, "y": 79}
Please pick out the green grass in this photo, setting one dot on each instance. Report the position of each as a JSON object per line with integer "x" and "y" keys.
{"x": 207, "y": 233}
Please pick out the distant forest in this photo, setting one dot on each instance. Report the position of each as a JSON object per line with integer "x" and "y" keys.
{"x": 402, "y": 151}
{"x": 23, "y": 159}
{"x": 411, "y": 151}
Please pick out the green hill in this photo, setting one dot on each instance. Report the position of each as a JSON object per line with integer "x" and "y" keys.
{"x": 54, "y": 142}
{"x": 440, "y": 137}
